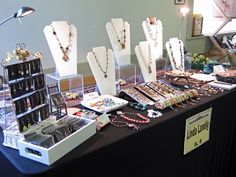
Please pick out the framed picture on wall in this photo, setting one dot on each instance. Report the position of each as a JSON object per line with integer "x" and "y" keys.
{"x": 179, "y": 2}
{"x": 197, "y": 25}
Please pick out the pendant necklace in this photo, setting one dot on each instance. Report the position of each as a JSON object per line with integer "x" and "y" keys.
{"x": 147, "y": 62}
{"x": 103, "y": 71}
{"x": 64, "y": 50}
{"x": 181, "y": 56}
{"x": 124, "y": 35}
{"x": 151, "y": 35}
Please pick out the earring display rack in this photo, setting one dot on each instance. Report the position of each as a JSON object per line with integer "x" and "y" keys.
{"x": 25, "y": 91}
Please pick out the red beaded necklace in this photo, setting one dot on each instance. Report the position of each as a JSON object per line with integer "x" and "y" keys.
{"x": 144, "y": 121}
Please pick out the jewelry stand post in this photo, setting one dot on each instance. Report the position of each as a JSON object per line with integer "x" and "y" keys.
{"x": 152, "y": 29}
{"x": 118, "y": 32}
{"x": 62, "y": 40}
{"x": 102, "y": 63}
{"x": 146, "y": 63}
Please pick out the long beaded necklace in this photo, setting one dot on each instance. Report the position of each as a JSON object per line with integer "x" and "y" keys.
{"x": 124, "y": 35}
{"x": 121, "y": 124}
{"x": 151, "y": 35}
{"x": 181, "y": 56}
{"x": 64, "y": 50}
{"x": 103, "y": 71}
{"x": 147, "y": 62}
{"x": 144, "y": 120}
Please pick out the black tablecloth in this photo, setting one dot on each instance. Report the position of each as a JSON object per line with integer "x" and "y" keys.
{"x": 154, "y": 150}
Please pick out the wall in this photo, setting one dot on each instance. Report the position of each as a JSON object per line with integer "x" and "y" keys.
{"x": 90, "y": 18}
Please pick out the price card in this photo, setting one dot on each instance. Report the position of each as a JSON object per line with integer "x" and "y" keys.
{"x": 218, "y": 68}
{"x": 90, "y": 96}
{"x": 102, "y": 121}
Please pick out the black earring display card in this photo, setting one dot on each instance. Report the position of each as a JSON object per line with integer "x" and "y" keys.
{"x": 44, "y": 112}
{"x": 35, "y": 66}
{"x": 28, "y": 93}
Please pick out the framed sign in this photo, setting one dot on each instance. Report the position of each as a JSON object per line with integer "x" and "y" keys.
{"x": 179, "y": 2}
{"x": 197, "y": 25}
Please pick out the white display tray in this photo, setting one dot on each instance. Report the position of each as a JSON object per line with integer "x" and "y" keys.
{"x": 100, "y": 107}
{"x": 50, "y": 155}
{"x": 203, "y": 77}
{"x": 223, "y": 85}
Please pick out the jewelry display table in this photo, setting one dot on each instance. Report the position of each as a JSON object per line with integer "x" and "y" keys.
{"x": 156, "y": 149}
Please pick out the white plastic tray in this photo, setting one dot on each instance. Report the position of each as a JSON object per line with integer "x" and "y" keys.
{"x": 97, "y": 104}
{"x": 50, "y": 155}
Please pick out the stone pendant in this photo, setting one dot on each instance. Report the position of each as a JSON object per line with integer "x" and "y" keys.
{"x": 105, "y": 75}
{"x": 65, "y": 57}
{"x": 123, "y": 46}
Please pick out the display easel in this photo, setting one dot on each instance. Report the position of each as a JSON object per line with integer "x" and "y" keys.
{"x": 102, "y": 64}
{"x": 146, "y": 63}
{"x": 67, "y": 36}
{"x": 153, "y": 34}
{"x": 119, "y": 30}
{"x": 175, "y": 50}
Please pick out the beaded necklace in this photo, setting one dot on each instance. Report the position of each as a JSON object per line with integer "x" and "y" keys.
{"x": 64, "y": 50}
{"x": 124, "y": 35}
{"x": 181, "y": 56}
{"x": 147, "y": 62}
{"x": 121, "y": 124}
{"x": 151, "y": 35}
{"x": 144, "y": 121}
{"x": 103, "y": 71}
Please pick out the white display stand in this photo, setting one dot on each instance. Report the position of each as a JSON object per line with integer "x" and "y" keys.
{"x": 65, "y": 83}
{"x": 105, "y": 59}
{"x": 153, "y": 34}
{"x": 116, "y": 28}
{"x": 62, "y": 29}
{"x": 126, "y": 74}
{"x": 143, "y": 53}
{"x": 175, "y": 50}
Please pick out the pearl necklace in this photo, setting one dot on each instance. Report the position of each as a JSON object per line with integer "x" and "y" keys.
{"x": 64, "y": 50}
{"x": 103, "y": 71}
{"x": 151, "y": 35}
{"x": 181, "y": 56}
{"x": 147, "y": 62}
{"x": 124, "y": 35}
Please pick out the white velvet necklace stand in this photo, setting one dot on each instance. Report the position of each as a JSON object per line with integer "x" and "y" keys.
{"x": 116, "y": 28}
{"x": 143, "y": 54}
{"x": 62, "y": 29}
{"x": 106, "y": 85}
{"x": 175, "y": 50}
{"x": 156, "y": 40}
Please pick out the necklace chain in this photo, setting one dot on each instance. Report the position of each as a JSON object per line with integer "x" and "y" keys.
{"x": 64, "y": 50}
{"x": 103, "y": 71}
{"x": 151, "y": 35}
{"x": 149, "y": 63}
{"x": 124, "y": 35}
{"x": 181, "y": 56}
